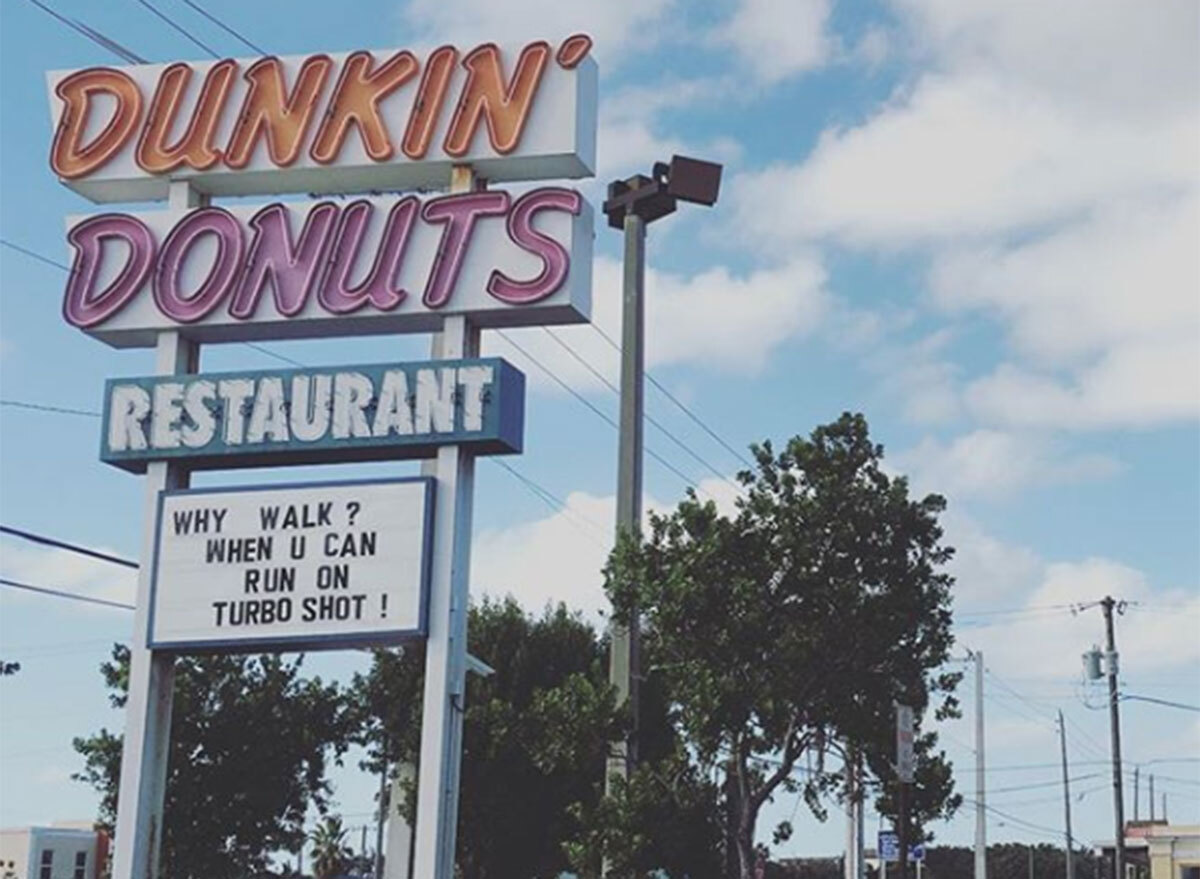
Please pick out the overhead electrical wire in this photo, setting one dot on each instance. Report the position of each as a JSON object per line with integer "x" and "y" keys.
{"x": 1166, "y": 702}
{"x": 649, "y": 418}
{"x": 687, "y": 480}
{"x": 92, "y": 34}
{"x": 178, "y": 28}
{"x": 262, "y": 349}
{"x": 70, "y": 547}
{"x": 223, "y": 26}
{"x": 682, "y": 407}
{"x": 60, "y": 593}
{"x": 38, "y": 407}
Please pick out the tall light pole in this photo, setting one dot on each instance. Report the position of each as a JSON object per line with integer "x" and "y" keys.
{"x": 630, "y": 206}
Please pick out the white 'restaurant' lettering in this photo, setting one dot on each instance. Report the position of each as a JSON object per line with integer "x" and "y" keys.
{"x": 205, "y": 414}
{"x": 128, "y": 406}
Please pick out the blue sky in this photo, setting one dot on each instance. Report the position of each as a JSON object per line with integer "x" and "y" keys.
{"x": 974, "y": 222}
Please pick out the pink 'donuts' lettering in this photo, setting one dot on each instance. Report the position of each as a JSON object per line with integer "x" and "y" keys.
{"x": 556, "y": 262}
{"x": 459, "y": 213}
{"x": 82, "y": 306}
{"x": 326, "y": 259}
{"x": 172, "y": 301}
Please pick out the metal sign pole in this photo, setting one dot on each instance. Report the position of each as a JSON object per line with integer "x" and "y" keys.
{"x": 138, "y": 843}
{"x": 446, "y": 645}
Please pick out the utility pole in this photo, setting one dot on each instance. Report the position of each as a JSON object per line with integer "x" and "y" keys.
{"x": 1029, "y": 848}
{"x": 1137, "y": 793}
{"x": 980, "y": 791}
{"x": 1152, "y": 796}
{"x": 1062, "y": 738}
{"x": 1115, "y": 722}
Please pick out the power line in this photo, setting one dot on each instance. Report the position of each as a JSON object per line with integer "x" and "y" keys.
{"x": 179, "y": 28}
{"x": 590, "y": 368}
{"x": 223, "y": 26}
{"x": 59, "y": 410}
{"x": 70, "y": 547}
{"x": 551, "y": 500}
{"x": 94, "y": 35}
{"x": 59, "y": 593}
{"x": 1028, "y": 825}
{"x": 686, "y": 411}
{"x": 262, "y": 349}
{"x": 32, "y": 254}
{"x": 1166, "y": 702}
{"x": 1039, "y": 784}
{"x": 687, "y": 480}
{"x": 1033, "y": 609}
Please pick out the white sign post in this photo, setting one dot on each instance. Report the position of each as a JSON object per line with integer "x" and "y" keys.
{"x": 307, "y": 566}
{"x": 151, "y": 673}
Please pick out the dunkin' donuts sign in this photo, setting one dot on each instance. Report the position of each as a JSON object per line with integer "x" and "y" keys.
{"x": 349, "y": 123}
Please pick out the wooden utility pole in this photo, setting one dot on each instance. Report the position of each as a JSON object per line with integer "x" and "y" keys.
{"x": 1062, "y": 737}
{"x": 1115, "y": 725}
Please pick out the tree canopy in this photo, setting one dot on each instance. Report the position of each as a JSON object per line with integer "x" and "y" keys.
{"x": 250, "y": 742}
{"x": 794, "y": 625}
{"x": 534, "y": 734}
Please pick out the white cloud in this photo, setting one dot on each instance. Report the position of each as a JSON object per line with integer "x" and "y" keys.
{"x": 631, "y": 135}
{"x": 558, "y": 558}
{"x": 617, "y": 27}
{"x": 961, "y": 156}
{"x": 1133, "y": 385}
{"x": 561, "y": 557}
{"x": 1054, "y": 190}
{"x": 1129, "y": 273}
{"x": 992, "y": 463}
{"x": 1107, "y": 54}
{"x": 69, "y": 572}
{"x": 1147, "y": 641}
{"x": 988, "y": 572}
{"x": 714, "y": 320}
{"x": 777, "y": 40}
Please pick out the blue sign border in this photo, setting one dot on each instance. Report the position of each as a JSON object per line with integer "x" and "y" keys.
{"x": 503, "y": 431}
{"x": 291, "y": 643}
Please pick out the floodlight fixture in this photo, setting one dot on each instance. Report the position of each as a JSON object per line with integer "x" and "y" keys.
{"x": 683, "y": 178}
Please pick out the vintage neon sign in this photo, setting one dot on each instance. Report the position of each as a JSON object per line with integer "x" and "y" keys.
{"x": 347, "y": 122}
{"x": 287, "y": 270}
{"x": 314, "y": 415}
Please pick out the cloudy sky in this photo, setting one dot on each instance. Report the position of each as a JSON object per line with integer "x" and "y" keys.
{"x": 976, "y": 222}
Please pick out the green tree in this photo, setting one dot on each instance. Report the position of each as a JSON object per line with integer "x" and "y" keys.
{"x": 793, "y": 626}
{"x": 536, "y": 734}
{"x": 250, "y": 741}
{"x": 330, "y": 853}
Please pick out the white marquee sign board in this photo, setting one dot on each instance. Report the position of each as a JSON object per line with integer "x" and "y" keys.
{"x": 298, "y": 567}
